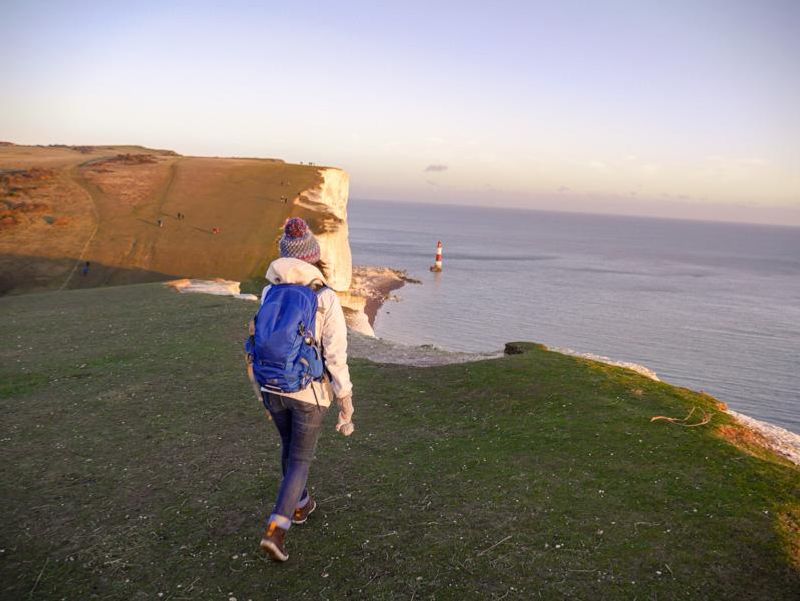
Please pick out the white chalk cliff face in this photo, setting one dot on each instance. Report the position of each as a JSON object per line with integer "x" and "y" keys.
{"x": 329, "y": 200}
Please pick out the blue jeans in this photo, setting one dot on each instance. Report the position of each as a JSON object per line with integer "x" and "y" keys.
{"x": 299, "y": 425}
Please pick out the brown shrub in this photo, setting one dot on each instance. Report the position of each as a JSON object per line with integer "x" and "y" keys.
{"x": 751, "y": 442}
{"x": 22, "y": 180}
{"x": 742, "y": 437}
{"x": 37, "y": 173}
{"x": 8, "y": 220}
{"x": 32, "y": 207}
{"x": 123, "y": 159}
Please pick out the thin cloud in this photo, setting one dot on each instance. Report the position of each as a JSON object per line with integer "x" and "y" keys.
{"x": 754, "y": 161}
{"x": 436, "y": 168}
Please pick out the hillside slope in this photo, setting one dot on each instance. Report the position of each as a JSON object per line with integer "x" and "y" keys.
{"x": 117, "y": 207}
{"x": 136, "y": 463}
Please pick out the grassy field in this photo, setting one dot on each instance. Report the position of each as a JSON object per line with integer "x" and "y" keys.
{"x": 137, "y": 464}
{"x": 62, "y": 206}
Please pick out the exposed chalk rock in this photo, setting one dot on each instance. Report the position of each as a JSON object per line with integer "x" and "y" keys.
{"x": 329, "y": 200}
{"x": 370, "y": 287}
{"x": 357, "y": 321}
{"x": 640, "y": 369}
{"x": 218, "y": 287}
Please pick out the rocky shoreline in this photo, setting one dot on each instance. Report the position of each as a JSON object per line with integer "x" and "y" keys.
{"x": 379, "y": 350}
{"x": 370, "y": 288}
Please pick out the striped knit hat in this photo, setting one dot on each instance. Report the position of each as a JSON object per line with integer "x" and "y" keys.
{"x": 298, "y": 241}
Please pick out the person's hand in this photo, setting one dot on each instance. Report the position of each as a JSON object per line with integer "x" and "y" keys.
{"x": 344, "y": 424}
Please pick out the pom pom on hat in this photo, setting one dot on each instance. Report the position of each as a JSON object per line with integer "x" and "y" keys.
{"x": 298, "y": 242}
{"x": 295, "y": 228}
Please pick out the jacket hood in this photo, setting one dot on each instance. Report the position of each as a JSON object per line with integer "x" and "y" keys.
{"x": 287, "y": 270}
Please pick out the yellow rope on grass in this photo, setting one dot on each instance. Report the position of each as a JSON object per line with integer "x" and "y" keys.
{"x": 684, "y": 421}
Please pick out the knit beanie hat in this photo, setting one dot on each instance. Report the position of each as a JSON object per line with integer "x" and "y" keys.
{"x": 298, "y": 242}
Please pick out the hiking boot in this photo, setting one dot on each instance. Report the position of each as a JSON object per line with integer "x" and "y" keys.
{"x": 301, "y": 513}
{"x": 273, "y": 542}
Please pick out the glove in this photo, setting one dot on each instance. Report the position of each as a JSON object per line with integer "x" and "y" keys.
{"x": 344, "y": 424}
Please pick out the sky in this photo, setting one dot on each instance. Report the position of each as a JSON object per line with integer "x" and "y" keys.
{"x": 674, "y": 109}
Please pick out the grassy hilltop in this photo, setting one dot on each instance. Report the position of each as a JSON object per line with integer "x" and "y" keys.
{"x": 63, "y": 205}
{"x": 137, "y": 464}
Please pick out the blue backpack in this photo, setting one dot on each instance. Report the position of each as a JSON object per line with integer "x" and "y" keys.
{"x": 284, "y": 351}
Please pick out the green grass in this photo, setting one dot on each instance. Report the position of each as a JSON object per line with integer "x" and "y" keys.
{"x": 135, "y": 461}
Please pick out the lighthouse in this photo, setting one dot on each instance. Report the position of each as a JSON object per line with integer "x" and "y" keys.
{"x": 437, "y": 265}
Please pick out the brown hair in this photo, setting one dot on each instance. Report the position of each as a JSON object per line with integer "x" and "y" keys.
{"x": 323, "y": 268}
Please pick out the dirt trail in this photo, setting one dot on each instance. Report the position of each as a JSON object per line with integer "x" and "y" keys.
{"x": 74, "y": 174}
{"x": 142, "y": 252}
{"x": 125, "y": 238}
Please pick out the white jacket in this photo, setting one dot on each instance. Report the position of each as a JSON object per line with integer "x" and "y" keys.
{"x": 331, "y": 330}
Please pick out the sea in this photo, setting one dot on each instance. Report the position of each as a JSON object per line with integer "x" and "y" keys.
{"x": 709, "y": 306}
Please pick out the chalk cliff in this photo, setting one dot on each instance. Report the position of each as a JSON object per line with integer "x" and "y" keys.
{"x": 362, "y": 290}
{"x": 328, "y": 202}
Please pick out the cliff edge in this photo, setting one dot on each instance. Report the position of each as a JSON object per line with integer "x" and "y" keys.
{"x": 325, "y": 207}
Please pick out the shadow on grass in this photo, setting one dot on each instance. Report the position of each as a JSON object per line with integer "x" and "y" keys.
{"x": 21, "y": 274}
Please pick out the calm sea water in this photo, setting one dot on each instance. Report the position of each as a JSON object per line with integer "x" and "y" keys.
{"x": 710, "y": 306}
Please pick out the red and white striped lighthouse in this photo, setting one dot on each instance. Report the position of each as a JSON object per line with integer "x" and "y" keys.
{"x": 437, "y": 266}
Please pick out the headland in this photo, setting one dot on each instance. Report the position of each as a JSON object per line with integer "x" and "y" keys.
{"x": 531, "y": 472}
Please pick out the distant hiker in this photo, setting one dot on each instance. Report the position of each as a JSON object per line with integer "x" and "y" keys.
{"x": 85, "y": 270}
{"x": 160, "y": 223}
{"x": 298, "y": 355}
{"x": 215, "y": 230}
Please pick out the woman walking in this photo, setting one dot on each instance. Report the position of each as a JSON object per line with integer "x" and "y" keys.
{"x": 298, "y": 416}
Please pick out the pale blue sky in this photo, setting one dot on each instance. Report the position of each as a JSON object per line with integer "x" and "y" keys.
{"x": 685, "y": 109}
